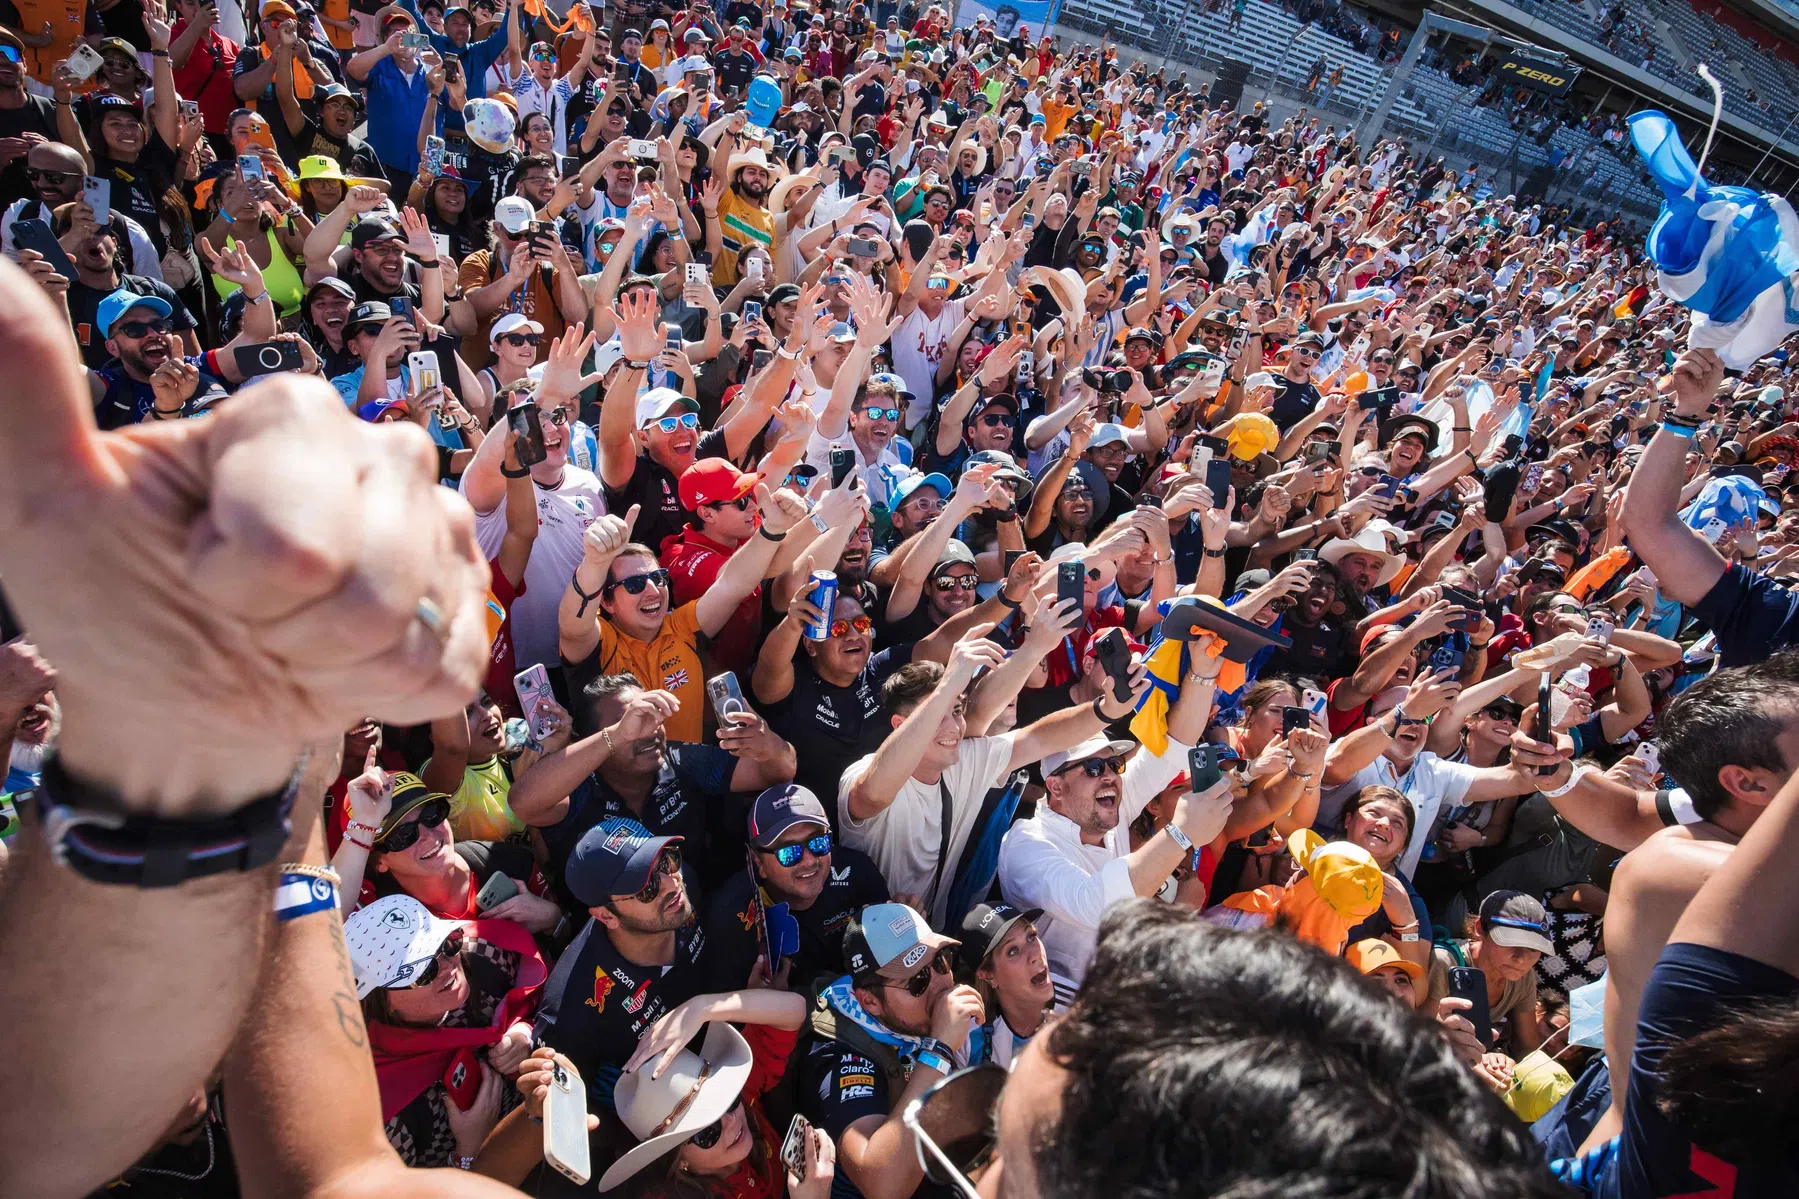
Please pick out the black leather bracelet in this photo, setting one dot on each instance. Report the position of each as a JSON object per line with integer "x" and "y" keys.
{"x": 90, "y": 832}
{"x": 520, "y": 473}
{"x": 763, "y": 532}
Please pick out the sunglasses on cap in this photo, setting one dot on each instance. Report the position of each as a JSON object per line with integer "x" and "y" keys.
{"x": 841, "y": 628}
{"x": 919, "y": 983}
{"x": 881, "y": 413}
{"x": 634, "y": 584}
{"x": 1095, "y": 768}
{"x": 449, "y": 951}
{"x": 708, "y": 1136}
{"x": 522, "y": 339}
{"x": 136, "y": 329}
{"x": 948, "y": 583}
{"x": 790, "y": 855}
{"x": 431, "y": 813}
{"x": 667, "y": 862}
{"x": 687, "y": 420}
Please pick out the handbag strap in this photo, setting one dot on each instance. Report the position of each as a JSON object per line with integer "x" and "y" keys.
{"x": 946, "y": 813}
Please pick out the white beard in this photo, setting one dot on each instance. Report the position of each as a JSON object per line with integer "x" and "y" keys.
{"x": 29, "y": 758}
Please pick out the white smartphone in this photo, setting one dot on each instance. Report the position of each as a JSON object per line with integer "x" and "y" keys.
{"x": 1312, "y": 700}
{"x": 97, "y": 195}
{"x": 1651, "y": 754}
{"x": 84, "y": 61}
{"x": 641, "y": 151}
{"x": 422, "y": 364}
{"x": 1599, "y": 628}
{"x": 755, "y": 269}
{"x": 565, "y": 1124}
{"x": 533, "y": 687}
{"x": 698, "y": 272}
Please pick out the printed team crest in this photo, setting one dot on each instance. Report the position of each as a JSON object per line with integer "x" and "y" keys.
{"x": 397, "y": 918}
{"x": 602, "y": 987}
{"x": 915, "y": 955}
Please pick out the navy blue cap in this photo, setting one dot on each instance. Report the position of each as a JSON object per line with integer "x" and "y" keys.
{"x": 612, "y": 859}
{"x": 780, "y": 808}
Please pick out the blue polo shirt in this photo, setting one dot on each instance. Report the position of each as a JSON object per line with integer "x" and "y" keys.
{"x": 396, "y": 105}
{"x": 1752, "y": 615}
{"x": 476, "y": 56}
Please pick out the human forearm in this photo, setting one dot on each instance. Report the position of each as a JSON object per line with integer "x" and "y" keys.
{"x": 900, "y": 753}
{"x": 554, "y": 777}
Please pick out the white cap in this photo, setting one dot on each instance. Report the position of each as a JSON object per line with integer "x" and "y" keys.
{"x": 514, "y": 214}
{"x": 1092, "y": 747}
{"x": 607, "y": 355}
{"x": 1259, "y": 379}
{"x": 655, "y": 403}
{"x": 694, "y": 62}
{"x": 392, "y": 940}
{"x": 1106, "y": 434}
{"x": 512, "y": 322}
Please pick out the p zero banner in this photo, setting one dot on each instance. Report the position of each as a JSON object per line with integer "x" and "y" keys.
{"x": 1554, "y": 78}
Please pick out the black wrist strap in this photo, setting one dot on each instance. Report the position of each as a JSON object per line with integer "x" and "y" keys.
{"x": 90, "y": 833}
{"x": 520, "y": 473}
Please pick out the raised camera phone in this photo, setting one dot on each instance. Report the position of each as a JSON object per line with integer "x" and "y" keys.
{"x": 700, "y": 273}
{"x": 1388, "y": 486}
{"x": 434, "y": 155}
{"x": 843, "y": 461}
{"x": 533, "y": 688}
{"x": 422, "y": 366}
{"x": 752, "y": 311}
{"x": 1231, "y": 300}
{"x": 1309, "y": 554}
{"x": 249, "y": 167}
{"x": 1599, "y": 626}
{"x": 1294, "y": 718}
{"x": 1218, "y": 481}
{"x": 793, "y": 1149}
{"x": 1447, "y": 657}
{"x": 1113, "y": 653}
{"x": 84, "y": 61}
{"x": 1543, "y": 729}
{"x": 1011, "y": 560}
{"x": 1470, "y": 983}
{"x": 726, "y": 697}
{"x": 1071, "y": 583}
{"x": 417, "y": 42}
{"x": 267, "y": 357}
{"x": 527, "y": 428}
{"x": 34, "y": 234}
{"x": 565, "y": 1124}
{"x": 864, "y": 247}
{"x": 760, "y": 359}
{"x": 495, "y": 891}
{"x": 1205, "y": 766}
{"x": 97, "y": 195}
{"x": 1312, "y": 700}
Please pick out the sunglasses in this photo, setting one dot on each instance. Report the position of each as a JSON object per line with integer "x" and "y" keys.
{"x": 447, "y": 952}
{"x": 1095, "y": 768}
{"x": 431, "y": 813}
{"x": 668, "y": 863}
{"x": 54, "y": 178}
{"x": 136, "y": 329}
{"x": 708, "y": 1136}
{"x": 1371, "y": 472}
{"x": 919, "y": 983}
{"x": 9, "y": 53}
{"x": 841, "y": 628}
{"x": 999, "y": 420}
{"x": 1308, "y": 351}
{"x": 965, "y": 582}
{"x": 938, "y": 285}
{"x": 880, "y": 413}
{"x": 790, "y": 855}
{"x": 522, "y": 339}
{"x": 1506, "y": 712}
{"x": 635, "y": 584}
{"x": 741, "y": 503}
{"x": 558, "y": 416}
{"x": 687, "y": 420}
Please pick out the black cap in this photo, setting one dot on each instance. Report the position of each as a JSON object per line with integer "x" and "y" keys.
{"x": 1558, "y": 527}
{"x": 614, "y": 858}
{"x": 985, "y": 926}
{"x": 372, "y": 313}
{"x": 374, "y": 229}
{"x": 1190, "y": 617}
{"x": 780, "y": 808}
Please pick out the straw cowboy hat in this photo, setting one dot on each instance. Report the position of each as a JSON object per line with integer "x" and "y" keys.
{"x": 1370, "y": 540}
{"x": 1066, "y": 286}
{"x": 697, "y": 1090}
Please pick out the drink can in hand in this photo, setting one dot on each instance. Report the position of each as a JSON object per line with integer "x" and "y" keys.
{"x": 822, "y": 592}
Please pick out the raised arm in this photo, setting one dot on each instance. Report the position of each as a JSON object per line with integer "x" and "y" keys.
{"x": 901, "y": 752}
{"x": 744, "y": 570}
{"x": 1685, "y": 564}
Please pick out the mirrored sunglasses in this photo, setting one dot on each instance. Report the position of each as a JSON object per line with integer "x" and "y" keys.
{"x": 790, "y": 855}
{"x": 687, "y": 420}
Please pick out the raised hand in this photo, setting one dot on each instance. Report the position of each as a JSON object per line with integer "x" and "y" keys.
{"x": 644, "y": 714}
{"x": 607, "y": 535}
{"x": 562, "y": 377}
{"x": 419, "y": 242}
{"x": 639, "y": 326}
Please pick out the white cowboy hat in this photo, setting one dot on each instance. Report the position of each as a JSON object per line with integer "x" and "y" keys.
{"x": 1066, "y": 286}
{"x": 1370, "y": 540}
{"x": 697, "y": 1090}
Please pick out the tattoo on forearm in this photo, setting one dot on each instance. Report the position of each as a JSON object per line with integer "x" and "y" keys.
{"x": 349, "y": 1011}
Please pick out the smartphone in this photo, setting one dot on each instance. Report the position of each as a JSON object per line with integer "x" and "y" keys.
{"x": 1388, "y": 486}
{"x": 1011, "y": 560}
{"x": 760, "y": 359}
{"x": 1204, "y": 767}
{"x": 1512, "y": 446}
{"x": 793, "y": 1149}
{"x": 1027, "y": 368}
{"x": 752, "y": 311}
{"x": 565, "y": 1124}
{"x": 34, "y": 234}
{"x": 754, "y": 271}
{"x": 641, "y": 150}
{"x": 1447, "y": 657}
{"x": 838, "y": 155}
{"x": 1464, "y": 599}
{"x": 527, "y": 427}
{"x": 84, "y": 61}
{"x": 1231, "y": 300}
{"x": 1544, "y": 729}
{"x": 1651, "y": 753}
{"x": 1600, "y": 627}
{"x": 864, "y": 247}
{"x": 843, "y": 461}
{"x": 418, "y": 42}
{"x": 249, "y": 167}
{"x": 1294, "y": 718}
{"x": 1533, "y": 478}
{"x": 1318, "y": 452}
{"x": 434, "y": 155}
{"x": 1470, "y": 983}
{"x": 1308, "y": 554}
{"x": 422, "y": 365}
{"x": 1071, "y": 583}
{"x": 1312, "y": 700}
{"x": 533, "y": 687}
{"x": 97, "y": 195}
{"x": 1113, "y": 654}
{"x": 495, "y": 891}
{"x": 1218, "y": 481}
{"x": 267, "y": 357}
{"x": 671, "y": 340}
{"x": 400, "y": 306}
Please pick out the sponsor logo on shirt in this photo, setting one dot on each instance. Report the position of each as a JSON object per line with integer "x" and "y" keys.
{"x": 636, "y": 1002}
{"x": 602, "y": 987}
{"x": 856, "y": 1093}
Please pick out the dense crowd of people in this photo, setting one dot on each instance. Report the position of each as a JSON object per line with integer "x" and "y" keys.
{"x": 794, "y": 599}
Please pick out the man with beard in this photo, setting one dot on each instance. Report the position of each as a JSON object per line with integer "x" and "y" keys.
{"x": 939, "y": 569}
{"x": 458, "y": 41}
{"x": 624, "y": 766}
{"x": 150, "y": 380}
{"x": 25, "y": 120}
{"x": 1298, "y": 396}
{"x": 742, "y": 212}
{"x": 794, "y": 861}
{"x": 28, "y": 725}
{"x": 100, "y": 271}
{"x": 981, "y": 415}
{"x": 55, "y": 172}
{"x": 376, "y": 266}
{"x": 1320, "y": 646}
{"x": 329, "y": 135}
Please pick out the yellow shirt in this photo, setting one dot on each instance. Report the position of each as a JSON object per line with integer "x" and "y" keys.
{"x": 669, "y": 663}
{"x": 746, "y": 226}
{"x": 479, "y": 811}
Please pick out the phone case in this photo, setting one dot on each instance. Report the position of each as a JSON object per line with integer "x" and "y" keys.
{"x": 565, "y": 1144}
{"x": 494, "y": 892}
{"x": 726, "y": 696}
{"x": 1114, "y": 656}
{"x": 793, "y": 1148}
{"x": 527, "y": 425}
{"x": 1203, "y": 768}
{"x": 1071, "y": 583}
{"x": 1470, "y": 983}
{"x": 533, "y": 687}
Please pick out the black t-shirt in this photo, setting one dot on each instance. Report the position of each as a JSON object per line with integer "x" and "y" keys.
{"x": 84, "y": 301}
{"x": 353, "y": 156}
{"x": 853, "y": 882}
{"x": 656, "y": 491}
{"x": 834, "y": 726}
{"x": 36, "y": 115}
{"x": 1294, "y": 403}
{"x": 839, "y": 1086}
{"x": 1752, "y": 615}
{"x": 1320, "y": 652}
{"x": 137, "y": 185}
{"x": 735, "y": 69}
{"x": 1691, "y": 988}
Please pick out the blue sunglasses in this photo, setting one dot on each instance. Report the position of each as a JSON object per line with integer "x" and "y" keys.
{"x": 881, "y": 413}
{"x": 9, "y": 53}
{"x": 687, "y": 420}
{"x": 790, "y": 855}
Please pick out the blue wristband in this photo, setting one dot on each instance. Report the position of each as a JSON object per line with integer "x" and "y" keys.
{"x": 943, "y": 1066}
{"x": 302, "y": 895}
{"x": 1688, "y": 432}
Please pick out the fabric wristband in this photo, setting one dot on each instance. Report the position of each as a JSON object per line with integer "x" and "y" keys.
{"x": 298, "y": 895}
{"x": 1686, "y": 431}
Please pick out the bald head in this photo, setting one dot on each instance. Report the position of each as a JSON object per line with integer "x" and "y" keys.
{"x": 54, "y": 156}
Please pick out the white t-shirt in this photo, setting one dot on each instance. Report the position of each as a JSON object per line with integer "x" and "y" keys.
{"x": 918, "y": 346}
{"x": 1430, "y": 782}
{"x": 563, "y": 514}
{"x": 905, "y": 836}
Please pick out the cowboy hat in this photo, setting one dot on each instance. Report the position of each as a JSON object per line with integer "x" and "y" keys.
{"x": 1065, "y": 286}
{"x": 695, "y": 1091}
{"x": 1369, "y": 541}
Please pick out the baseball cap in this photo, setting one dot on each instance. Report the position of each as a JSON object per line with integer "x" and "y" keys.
{"x": 1107, "y": 434}
{"x": 907, "y": 486}
{"x": 392, "y": 940}
{"x": 1517, "y": 920}
{"x": 1092, "y": 747}
{"x": 714, "y": 481}
{"x": 373, "y": 229}
{"x": 780, "y": 808}
{"x": 511, "y": 323}
{"x": 889, "y": 939}
{"x": 657, "y": 401}
{"x": 985, "y": 926}
{"x": 409, "y": 794}
{"x": 372, "y": 313}
{"x": 332, "y": 283}
{"x": 374, "y": 410}
{"x": 122, "y": 301}
{"x": 514, "y": 214}
{"x": 954, "y": 553}
{"x": 782, "y": 293}
{"x": 887, "y": 378}
{"x": 1375, "y": 954}
{"x": 613, "y": 858}
{"x": 108, "y": 102}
